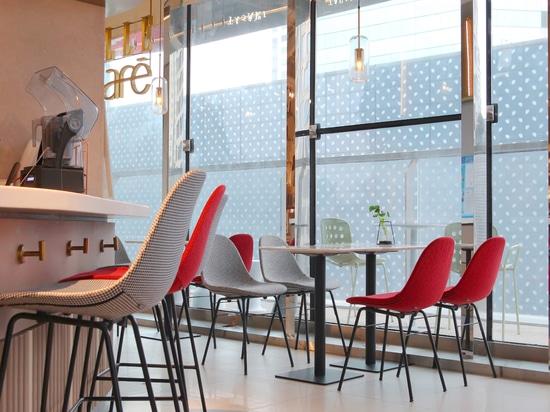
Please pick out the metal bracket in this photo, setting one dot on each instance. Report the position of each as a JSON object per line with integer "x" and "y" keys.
{"x": 492, "y": 113}
{"x": 83, "y": 248}
{"x": 188, "y": 146}
{"x": 103, "y": 245}
{"x": 40, "y": 253}
{"x": 313, "y": 131}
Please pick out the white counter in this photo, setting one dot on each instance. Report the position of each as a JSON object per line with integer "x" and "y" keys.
{"x": 29, "y": 216}
{"x": 24, "y": 200}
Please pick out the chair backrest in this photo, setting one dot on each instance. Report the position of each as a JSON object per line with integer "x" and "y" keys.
{"x": 481, "y": 273}
{"x": 121, "y": 255}
{"x": 153, "y": 271}
{"x": 429, "y": 277}
{"x": 200, "y": 243}
{"x": 512, "y": 256}
{"x": 244, "y": 243}
{"x": 335, "y": 231}
{"x": 454, "y": 230}
{"x": 225, "y": 268}
{"x": 278, "y": 265}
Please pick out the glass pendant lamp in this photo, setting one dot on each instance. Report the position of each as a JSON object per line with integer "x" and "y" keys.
{"x": 358, "y": 53}
{"x": 159, "y": 95}
{"x": 159, "y": 85}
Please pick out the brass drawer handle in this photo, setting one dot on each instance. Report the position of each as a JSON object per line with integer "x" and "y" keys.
{"x": 103, "y": 245}
{"x": 83, "y": 248}
{"x": 41, "y": 252}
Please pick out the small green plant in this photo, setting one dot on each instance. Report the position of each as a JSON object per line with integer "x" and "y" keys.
{"x": 381, "y": 215}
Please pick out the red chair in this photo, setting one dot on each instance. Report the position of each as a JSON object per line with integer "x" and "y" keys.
{"x": 476, "y": 284}
{"x": 195, "y": 255}
{"x": 245, "y": 245}
{"x": 423, "y": 289}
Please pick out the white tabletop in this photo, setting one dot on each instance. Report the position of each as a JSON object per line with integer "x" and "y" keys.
{"x": 336, "y": 249}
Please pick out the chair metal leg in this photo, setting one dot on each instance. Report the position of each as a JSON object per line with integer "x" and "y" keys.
{"x": 164, "y": 339}
{"x": 403, "y": 356}
{"x": 284, "y": 333}
{"x": 269, "y": 329}
{"x": 459, "y": 347}
{"x": 384, "y": 346}
{"x": 303, "y": 306}
{"x": 193, "y": 351}
{"x": 338, "y": 321}
{"x": 212, "y": 330}
{"x": 72, "y": 362}
{"x": 441, "y": 378}
{"x": 352, "y": 338}
{"x": 244, "y": 317}
{"x": 47, "y": 364}
{"x": 485, "y": 340}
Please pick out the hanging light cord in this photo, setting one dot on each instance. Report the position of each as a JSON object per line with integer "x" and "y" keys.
{"x": 159, "y": 38}
{"x": 358, "y": 24}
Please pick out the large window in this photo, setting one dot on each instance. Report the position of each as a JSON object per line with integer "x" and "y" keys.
{"x": 235, "y": 112}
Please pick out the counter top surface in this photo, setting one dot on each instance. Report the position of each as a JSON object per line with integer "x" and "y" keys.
{"x": 17, "y": 199}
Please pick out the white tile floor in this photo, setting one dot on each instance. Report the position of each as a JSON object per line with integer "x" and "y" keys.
{"x": 227, "y": 389}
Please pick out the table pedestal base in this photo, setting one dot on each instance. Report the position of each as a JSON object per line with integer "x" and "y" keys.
{"x": 360, "y": 365}
{"x": 308, "y": 375}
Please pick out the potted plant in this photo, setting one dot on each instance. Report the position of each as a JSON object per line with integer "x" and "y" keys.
{"x": 385, "y": 233}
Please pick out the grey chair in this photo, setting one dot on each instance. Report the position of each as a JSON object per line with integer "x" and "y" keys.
{"x": 280, "y": 266}
{"x": 227, "y": 278}
{"x": 99, "y": 304}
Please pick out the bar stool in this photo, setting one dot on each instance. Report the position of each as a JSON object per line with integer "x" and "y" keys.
{"x": 99, "y": 304}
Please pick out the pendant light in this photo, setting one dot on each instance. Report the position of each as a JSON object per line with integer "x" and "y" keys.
{"x": 159, "y": 85}
{"x": 359, "y": 53}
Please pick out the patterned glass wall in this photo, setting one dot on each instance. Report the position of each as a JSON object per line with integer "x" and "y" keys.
{"x": 239, "y": 136}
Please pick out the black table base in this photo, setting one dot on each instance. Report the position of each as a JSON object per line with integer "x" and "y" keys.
{"x": 308, "y": 375}
{"x": 360, "y": 365}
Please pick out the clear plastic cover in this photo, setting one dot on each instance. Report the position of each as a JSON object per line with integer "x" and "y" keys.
{"x": 57, "y": 94}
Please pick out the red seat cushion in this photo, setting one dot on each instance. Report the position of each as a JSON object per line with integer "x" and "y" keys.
{"x": 107, "y": 272}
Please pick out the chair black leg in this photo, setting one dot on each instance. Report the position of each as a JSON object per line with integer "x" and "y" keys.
{"x": 384, "y": 344}
{"x": 338, "y": 321}
{"x": 243, "y": 306}
{"x": 193, "y": 350}
{"x": 271, "y": 320}
{"x": 352, "y": 337}
{"x": 47, "y": 364}
{"x": 112, "y": 365}
{"x": 284, "y": 333}
{"x": 6, "y": 351}
{"x": 72, "y": 361}
{"x": 302, "y": 307}
{"x": 172, "y": 331}
{"x": 485, "y": 341}
{"x": 306, "y": 326}
{"x": 404, "y": 356}
{"x": 269, "y": 329}
{"x": 164, "y": 339}
{"x": 212, "y": 330}
{"x": 459, "y": 347}
{"x": 407, "y": 335}
{"x": 441, "y": 378}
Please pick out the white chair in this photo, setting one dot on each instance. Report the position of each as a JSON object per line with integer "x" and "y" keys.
{"x": 335, "y": 230}
{"x": 510, "y": 264}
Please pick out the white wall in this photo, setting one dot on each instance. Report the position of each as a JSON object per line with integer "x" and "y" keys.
{"x": 36, "y": 34}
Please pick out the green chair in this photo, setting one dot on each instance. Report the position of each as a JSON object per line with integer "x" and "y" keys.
{"x": 334, "y": 231}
